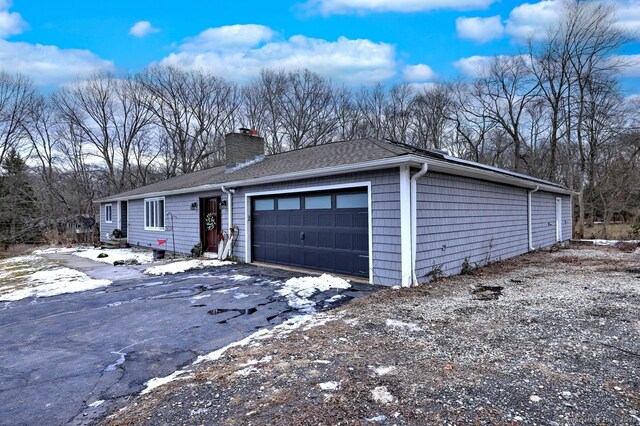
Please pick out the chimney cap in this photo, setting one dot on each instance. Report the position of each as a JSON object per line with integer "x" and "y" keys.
{"x": 247, "y": 131}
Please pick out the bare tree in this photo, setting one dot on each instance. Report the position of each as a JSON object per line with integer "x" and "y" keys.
{"x": 17, "y": 93}
{"x": 432, "y": 109}
{"x": 195, "y": 109}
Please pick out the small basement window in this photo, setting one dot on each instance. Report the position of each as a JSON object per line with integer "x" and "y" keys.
{"x": 108, "y": 213}
{"x": 154, "y": 214}
{"x": 351, "y": 201}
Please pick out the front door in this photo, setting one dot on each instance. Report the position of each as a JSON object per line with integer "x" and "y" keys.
{"x": 210, "y": 223}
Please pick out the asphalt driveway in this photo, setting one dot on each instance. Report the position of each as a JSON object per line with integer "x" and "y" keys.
{"x": 71, "y": 358}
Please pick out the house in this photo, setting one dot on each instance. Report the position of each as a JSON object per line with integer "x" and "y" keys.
{"x": 382, "y": 210}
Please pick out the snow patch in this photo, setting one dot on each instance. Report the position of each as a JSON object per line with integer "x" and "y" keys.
{"x": 115, "y": 255}
{"x": 381, "y": 371}
{"x": 382, "y": 395}
{"x": 160, "y": 381}
{"x": 184, "y": 265}
{"x": 329, "y": 386}
{"x": 96, "y": 403}
{"x": 334, "y": 298}
{"x": 406, "y": 325}
{"x": 56, "y": 250}
{"x": 52, "y": 282}
{"x": 299, "y": 290}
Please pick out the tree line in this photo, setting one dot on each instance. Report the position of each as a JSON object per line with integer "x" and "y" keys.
{"x": 554, "y": 111}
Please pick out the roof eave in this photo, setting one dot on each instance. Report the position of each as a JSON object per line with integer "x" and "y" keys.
{"x": 408, "y": 159}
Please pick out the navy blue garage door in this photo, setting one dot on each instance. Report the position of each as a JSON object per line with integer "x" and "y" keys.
{"x": 327, "y": 231}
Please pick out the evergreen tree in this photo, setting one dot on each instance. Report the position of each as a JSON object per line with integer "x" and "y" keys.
{"x": 18, "y": 207}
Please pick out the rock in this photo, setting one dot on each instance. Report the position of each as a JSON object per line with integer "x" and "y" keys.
{"x": 534, "y": 398}
{"x": 102, "y": 255}
{"x": 126, "y": 262}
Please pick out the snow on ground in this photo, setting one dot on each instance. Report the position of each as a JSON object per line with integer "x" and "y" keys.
{"x": 298, "y": 290}
{"x": 303, "y": 322}
{"x": 184, "y": 265}
{"x": 329, "y": 386}
{"x": 55, "y": 250}
{"x": 115, "y": 254}
{"x": 399, "y": 324}
{"x": 34, "y": 276}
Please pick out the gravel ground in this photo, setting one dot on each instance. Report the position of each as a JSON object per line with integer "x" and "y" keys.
{"x": 546, "y": 339}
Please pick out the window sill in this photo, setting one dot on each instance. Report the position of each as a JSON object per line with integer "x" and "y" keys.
{"x": 153, "y": 229}
{"x": 108, "y": 221}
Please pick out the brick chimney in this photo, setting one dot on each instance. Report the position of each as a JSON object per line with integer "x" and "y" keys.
{"x": 245, "y": 145}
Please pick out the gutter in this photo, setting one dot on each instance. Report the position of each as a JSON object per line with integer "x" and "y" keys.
{"x": 529, "y": 209}
{"x": 414, "y": 219}
{"x": 410, "y": 160}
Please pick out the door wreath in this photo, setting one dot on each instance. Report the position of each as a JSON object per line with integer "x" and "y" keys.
{"x": 210, "y": 222}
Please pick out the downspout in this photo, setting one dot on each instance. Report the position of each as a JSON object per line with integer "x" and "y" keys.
{"x": 414, "y": 220}
{"x": 229, "y": 193}
{"x": 531, "y": 248}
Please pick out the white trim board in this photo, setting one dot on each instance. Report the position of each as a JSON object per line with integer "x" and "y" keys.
{"x": 405, "y": 226}
{"x": 303, "y": 189}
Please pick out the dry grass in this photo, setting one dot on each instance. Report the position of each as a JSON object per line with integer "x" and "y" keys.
{"x": 566, "y": 329}
{"x": 615, "y": 231}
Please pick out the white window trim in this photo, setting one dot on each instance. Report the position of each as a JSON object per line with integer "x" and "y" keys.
{"x": 110, "y": 205}
{"x": 144, "y": 215}
{"x": 303, "y": 189}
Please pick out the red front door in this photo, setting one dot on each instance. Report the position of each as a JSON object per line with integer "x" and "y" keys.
{"x": 211, "y": 223}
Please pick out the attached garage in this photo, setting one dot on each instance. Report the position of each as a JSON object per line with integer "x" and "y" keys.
{"x": 321, "y": 230}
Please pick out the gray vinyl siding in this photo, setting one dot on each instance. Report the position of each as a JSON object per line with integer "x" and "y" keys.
{"x": 462, "y": 218}
{"x": 385, "y": 206}
{"x": 543, "y": 219}
{"x": 186, "y": 223}
{"x": 107, "y": 228}
{"x": 567, "y": 218}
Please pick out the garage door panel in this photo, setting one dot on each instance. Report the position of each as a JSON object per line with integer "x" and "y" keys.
{"x": 334, "y": 239}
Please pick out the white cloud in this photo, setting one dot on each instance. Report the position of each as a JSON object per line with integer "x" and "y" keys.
{"x": 474, "y": 66}
{"x": 345, "y": 60}
{"x": 418, "y": 73}
{"x": 11, "y": 23}
{"x": 329, "y": 7}
{"x": 229, "y": 37}
{"x": 532, "y": 20}
{"x": 628, "y": 16}
{"x": 142, "y": 29}
{"x": 481, "y": 30}
{"x": 479, "y": 66}
{"x": 629, "y": 65}
{"x": 50, "y": 65}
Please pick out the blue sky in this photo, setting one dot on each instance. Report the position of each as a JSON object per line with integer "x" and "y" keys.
{"x": 351, "y": 41}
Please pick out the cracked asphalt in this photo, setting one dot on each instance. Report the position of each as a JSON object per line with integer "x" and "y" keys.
{"x": 61, "y": 356}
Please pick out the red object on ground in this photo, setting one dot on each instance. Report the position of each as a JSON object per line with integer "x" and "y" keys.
{"x": 162, "y": 242}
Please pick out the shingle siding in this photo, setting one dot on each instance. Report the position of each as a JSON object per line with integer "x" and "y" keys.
{"x": 107, "y": 228}
{"x": 543, "y": 218}
{"x": 186, "y": 223}
{"x": 460, "y": 218}
{"x": 385, "y": 197}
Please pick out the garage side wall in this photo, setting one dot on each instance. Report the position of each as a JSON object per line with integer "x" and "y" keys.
{"x": 385, "y": 216}
{"x": 107, "y": 228}
{"x": 186, "y": 223}
{"x": 460, "y": 218}
{"x": 567, "y": 218}
{"x": 543, "y": 218}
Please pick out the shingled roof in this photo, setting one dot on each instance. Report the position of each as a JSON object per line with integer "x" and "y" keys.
{"x": 326, "y": 156}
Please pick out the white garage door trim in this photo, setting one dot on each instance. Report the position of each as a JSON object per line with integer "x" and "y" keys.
{"x": 247, "y": 212}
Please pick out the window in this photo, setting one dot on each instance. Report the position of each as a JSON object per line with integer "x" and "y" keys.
{"x": 108, "y": 208}
{"x": 154, "y": 214}
{"x": 289, "y": 203}
{"x": 264, "y": 204}
{"x": 351, "y": 201}
{"x": 318, "y": 202}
